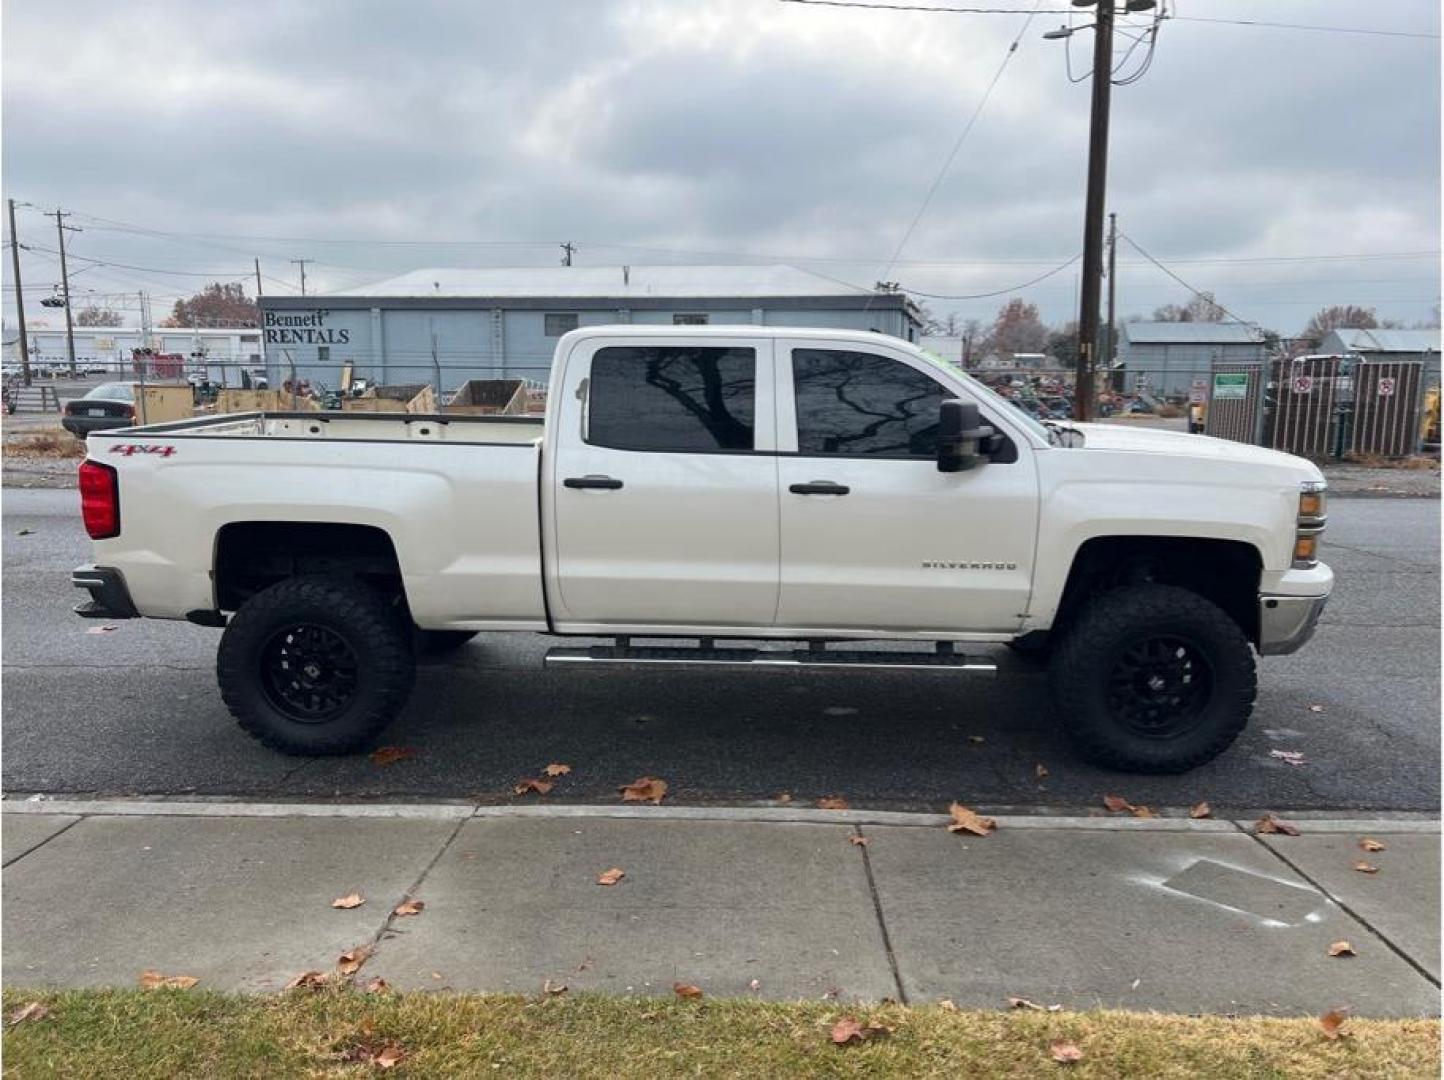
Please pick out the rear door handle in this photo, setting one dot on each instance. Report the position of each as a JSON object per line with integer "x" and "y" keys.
{"x": 819, "y": 487}
{"x": 606, "y": 483}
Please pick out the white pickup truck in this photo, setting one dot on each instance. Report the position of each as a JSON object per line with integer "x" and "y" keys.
{"x": 793, "y": 493}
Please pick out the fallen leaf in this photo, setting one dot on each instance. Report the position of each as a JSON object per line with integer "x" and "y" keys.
{"x": 388, "y": 1056}
{"x": 308, "y": 980}
{"x": 755, "y": 984}
{"x": 832, "y": 802}
{"x": 531, "y": 783}
{"x": 965, "y": 820}
{"x": 832, "y": 993}
{"x": 557, "y": 770}
{"x": 1142, "y": 811}
{"x": 848, "y": 1030}
{"x": 1270, "y": 824}
{"x": 611, "y": 877}
{"x": 1065, "y": 1052}
{"x": 24, "y": 532}
{"x": 549, "y": 987}
{"x": 386, "y": 755}
{"x": 686, "y": 990}
{"x": 152, "y": 980}
{"x": 349, "y": 901}
{"x": 647, "y": 789}
{"x": 1023, "y": 1003}
{"x": 1201, "y": 810}
{"x": 351, "y": 960}
{"x": 784, "y": 798}
{"x": 946, "y": 1004}
{"x": 1293, "y": 757}
{"x": 1366, "y": 867}
{"x": 1368, "y": 843}
{"x": 1333, "y": 1023}
{"x": 409, "y": 907}
{"x": 1342, "y": 948}
{"x": 378, "y": 985}
{"x": 1316, "y": 708}
{"x": 1116, "y": 803}
{"x": 33, "y": 1011}
{"x": 860, "y": 841}
{"x": 1040, "y": 770}
{"x": 102, "y": 629}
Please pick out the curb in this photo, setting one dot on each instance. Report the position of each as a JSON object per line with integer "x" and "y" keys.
{"x": 756, "y": 815}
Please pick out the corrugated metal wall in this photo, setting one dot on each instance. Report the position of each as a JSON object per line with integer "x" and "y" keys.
{"x": 1386, "y": 408}
{"x": 1305, "y": 396}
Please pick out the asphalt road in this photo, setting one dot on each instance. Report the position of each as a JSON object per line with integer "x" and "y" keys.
{"x": 136, "y": 711}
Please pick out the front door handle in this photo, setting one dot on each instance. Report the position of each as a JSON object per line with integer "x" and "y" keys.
{"x": 819, "y": 487}
{"x": 606, "y": 483}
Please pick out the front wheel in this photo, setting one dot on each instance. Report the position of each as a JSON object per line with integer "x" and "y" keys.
{"x": 1153, "y": 679}
{"x": 315, "y": 665}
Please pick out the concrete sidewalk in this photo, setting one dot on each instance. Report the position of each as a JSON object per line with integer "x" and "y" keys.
{"x": 1167, "y": 914}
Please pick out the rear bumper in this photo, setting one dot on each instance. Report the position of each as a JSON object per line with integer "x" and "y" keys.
{"x": 1286, "y": 623}
{"x": 109, "y": 597}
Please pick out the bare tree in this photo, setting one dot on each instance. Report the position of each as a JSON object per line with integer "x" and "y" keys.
{"x": 216, "y": 305}
{"x": 1339, "y": 317}
{"x": 97, "y": 316}
{"x": 1200, "y": 308}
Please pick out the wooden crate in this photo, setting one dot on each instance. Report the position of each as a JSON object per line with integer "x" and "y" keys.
{"x": 413, "y": 398}
{"x": 161, "y": 403}
{"x": 489, "y": 397}
{"x": 240, "y": 401}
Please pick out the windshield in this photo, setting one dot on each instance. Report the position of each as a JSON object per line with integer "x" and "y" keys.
{"x": 112, "y": 391}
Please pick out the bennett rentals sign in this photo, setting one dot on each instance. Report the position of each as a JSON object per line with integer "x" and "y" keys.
{"x": 303, "y": 328}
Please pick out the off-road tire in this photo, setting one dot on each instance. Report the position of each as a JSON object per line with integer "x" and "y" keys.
{"x": 440, "y": 642}
{"x": 1096, "y": 642}
{"x": 348, "y": 609}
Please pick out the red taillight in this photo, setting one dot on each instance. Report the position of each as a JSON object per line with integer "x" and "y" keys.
{"x": 100, "y": 500}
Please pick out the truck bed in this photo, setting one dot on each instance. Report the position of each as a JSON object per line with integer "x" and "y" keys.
{"x": 370, "y": 427}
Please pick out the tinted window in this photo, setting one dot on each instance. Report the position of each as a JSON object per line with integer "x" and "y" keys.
{"x": 112, "y": 391}
{"x": 672, "y": 398}
{"x": 859, "y": 403}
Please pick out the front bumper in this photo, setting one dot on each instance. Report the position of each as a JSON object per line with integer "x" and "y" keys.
{"x": 109, "y": 598}
{"x": 1285, "y": 623}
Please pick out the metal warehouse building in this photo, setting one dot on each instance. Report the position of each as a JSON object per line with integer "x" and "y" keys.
{"x": 1166, "y": 357}
{"x": 1391, "y": 345}
{"x": 446, "y": 326}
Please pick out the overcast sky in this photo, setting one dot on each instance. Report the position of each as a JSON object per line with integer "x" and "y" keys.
{"x": 722, "y": 130}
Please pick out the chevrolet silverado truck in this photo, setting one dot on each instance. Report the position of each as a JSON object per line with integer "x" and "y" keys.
{"x": 759, "y": 498}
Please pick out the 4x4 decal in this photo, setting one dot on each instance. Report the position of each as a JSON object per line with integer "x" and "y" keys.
{"x": 131, "y": 449}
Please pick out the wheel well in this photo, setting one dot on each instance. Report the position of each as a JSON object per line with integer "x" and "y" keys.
{"x": 1226, "y": 572}
{"x": 252, "y": 555}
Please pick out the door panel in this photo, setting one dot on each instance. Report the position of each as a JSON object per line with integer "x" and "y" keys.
{"x": 905, "y": 548}
{"x": 664, "y": 513}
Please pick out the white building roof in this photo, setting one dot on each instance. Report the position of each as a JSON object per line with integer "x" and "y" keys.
{"x": 1383, "y": 341}
{"x": 609, "y": 282}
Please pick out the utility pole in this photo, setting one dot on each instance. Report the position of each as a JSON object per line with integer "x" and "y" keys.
{"x": 302, "y": 264}
{"x": 567, "y": 250}
{"x": 258, "y": 277}
{"x": 1110, "y": 348}
{"x": 24, "y": 342}
{"x": 61, "y": 228}
{"x": 1093, "y": 212}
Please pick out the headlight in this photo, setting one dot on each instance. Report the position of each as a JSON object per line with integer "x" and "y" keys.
{"x": 1312, "y": 516}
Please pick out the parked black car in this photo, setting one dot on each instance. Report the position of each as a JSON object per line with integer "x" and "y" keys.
{"x": 109, "y": 405}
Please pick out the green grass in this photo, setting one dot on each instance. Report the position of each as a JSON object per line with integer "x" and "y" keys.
{"x": 166, "y": 1033}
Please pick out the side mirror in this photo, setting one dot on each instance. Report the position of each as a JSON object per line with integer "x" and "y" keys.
{"x": 962, "y": 436}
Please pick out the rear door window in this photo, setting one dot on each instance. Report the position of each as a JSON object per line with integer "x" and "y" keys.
{"x": 667, "y": 397}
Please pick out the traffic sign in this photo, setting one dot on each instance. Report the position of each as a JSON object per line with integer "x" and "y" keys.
{"x": 1303, "y": 384}
{"x": 1386, "y": 387}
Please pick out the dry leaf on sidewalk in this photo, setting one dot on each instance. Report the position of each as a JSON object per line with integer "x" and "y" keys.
{"x": 848, "y": 1030}
{"x": 1368, "y": 843}
{"x": 1366, "y": 867}
{"x": 106, "y": 629}
{"x": 409, "y": 907}
{"x": 784, "y": 798}
{"x": 349, "y": 901}
{"x": 308, "y": 980}
{"x": 351, "y": 960}
{"x": 552, "y": 989}
{"x": 153, "y": 980}
{"x": 557, "y": 770}
{"x": 1342, "y": 948}
{"x": 1142, "y": 812}
{"x": 387, "y": 755}
{"x": 1293, "y": 757}
{"x": 1268, "y": 824}
{"x": 531, "y": 783}
{"x": 832, "y": 802}
{"x": 1333, "y": 1023}
{"x": 33, "y": 1011}
{"x": 1116, "y": 803}
{"x": 686, "y": 990}
{"x": 378, "y": 985}
{"x": 1040, "y": 770}
{"x": 860, "y": 841}
{"x": 966, "y": 820}
{"x": 1065, "y": 1052}
{"x": 1200, "y": 810}
{"x": 647, "y": 789}
{"x": 1024, "y": 1003}
{"x": 611, "y": 877}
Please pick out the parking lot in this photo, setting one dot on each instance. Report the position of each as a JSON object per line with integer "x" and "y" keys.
{"x": 136, "y": 710}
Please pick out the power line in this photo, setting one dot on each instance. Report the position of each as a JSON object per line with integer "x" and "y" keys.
{"x": 1305, "y": 26}
{"x": 1015, "y": 288}
{"x": 1202, "y": 296}
{"x": 919, "y": 7}
{"x": 958, "y": 145}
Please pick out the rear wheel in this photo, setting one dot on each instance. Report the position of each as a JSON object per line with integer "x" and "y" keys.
{"x": 1153, "y": 678}
{"x": 315, "y": 665}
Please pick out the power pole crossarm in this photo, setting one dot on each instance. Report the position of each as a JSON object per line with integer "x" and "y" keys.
{"x": 302, "y": 264}
{"x": 568, "y": 249}
{"x": 23, "y": 343}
